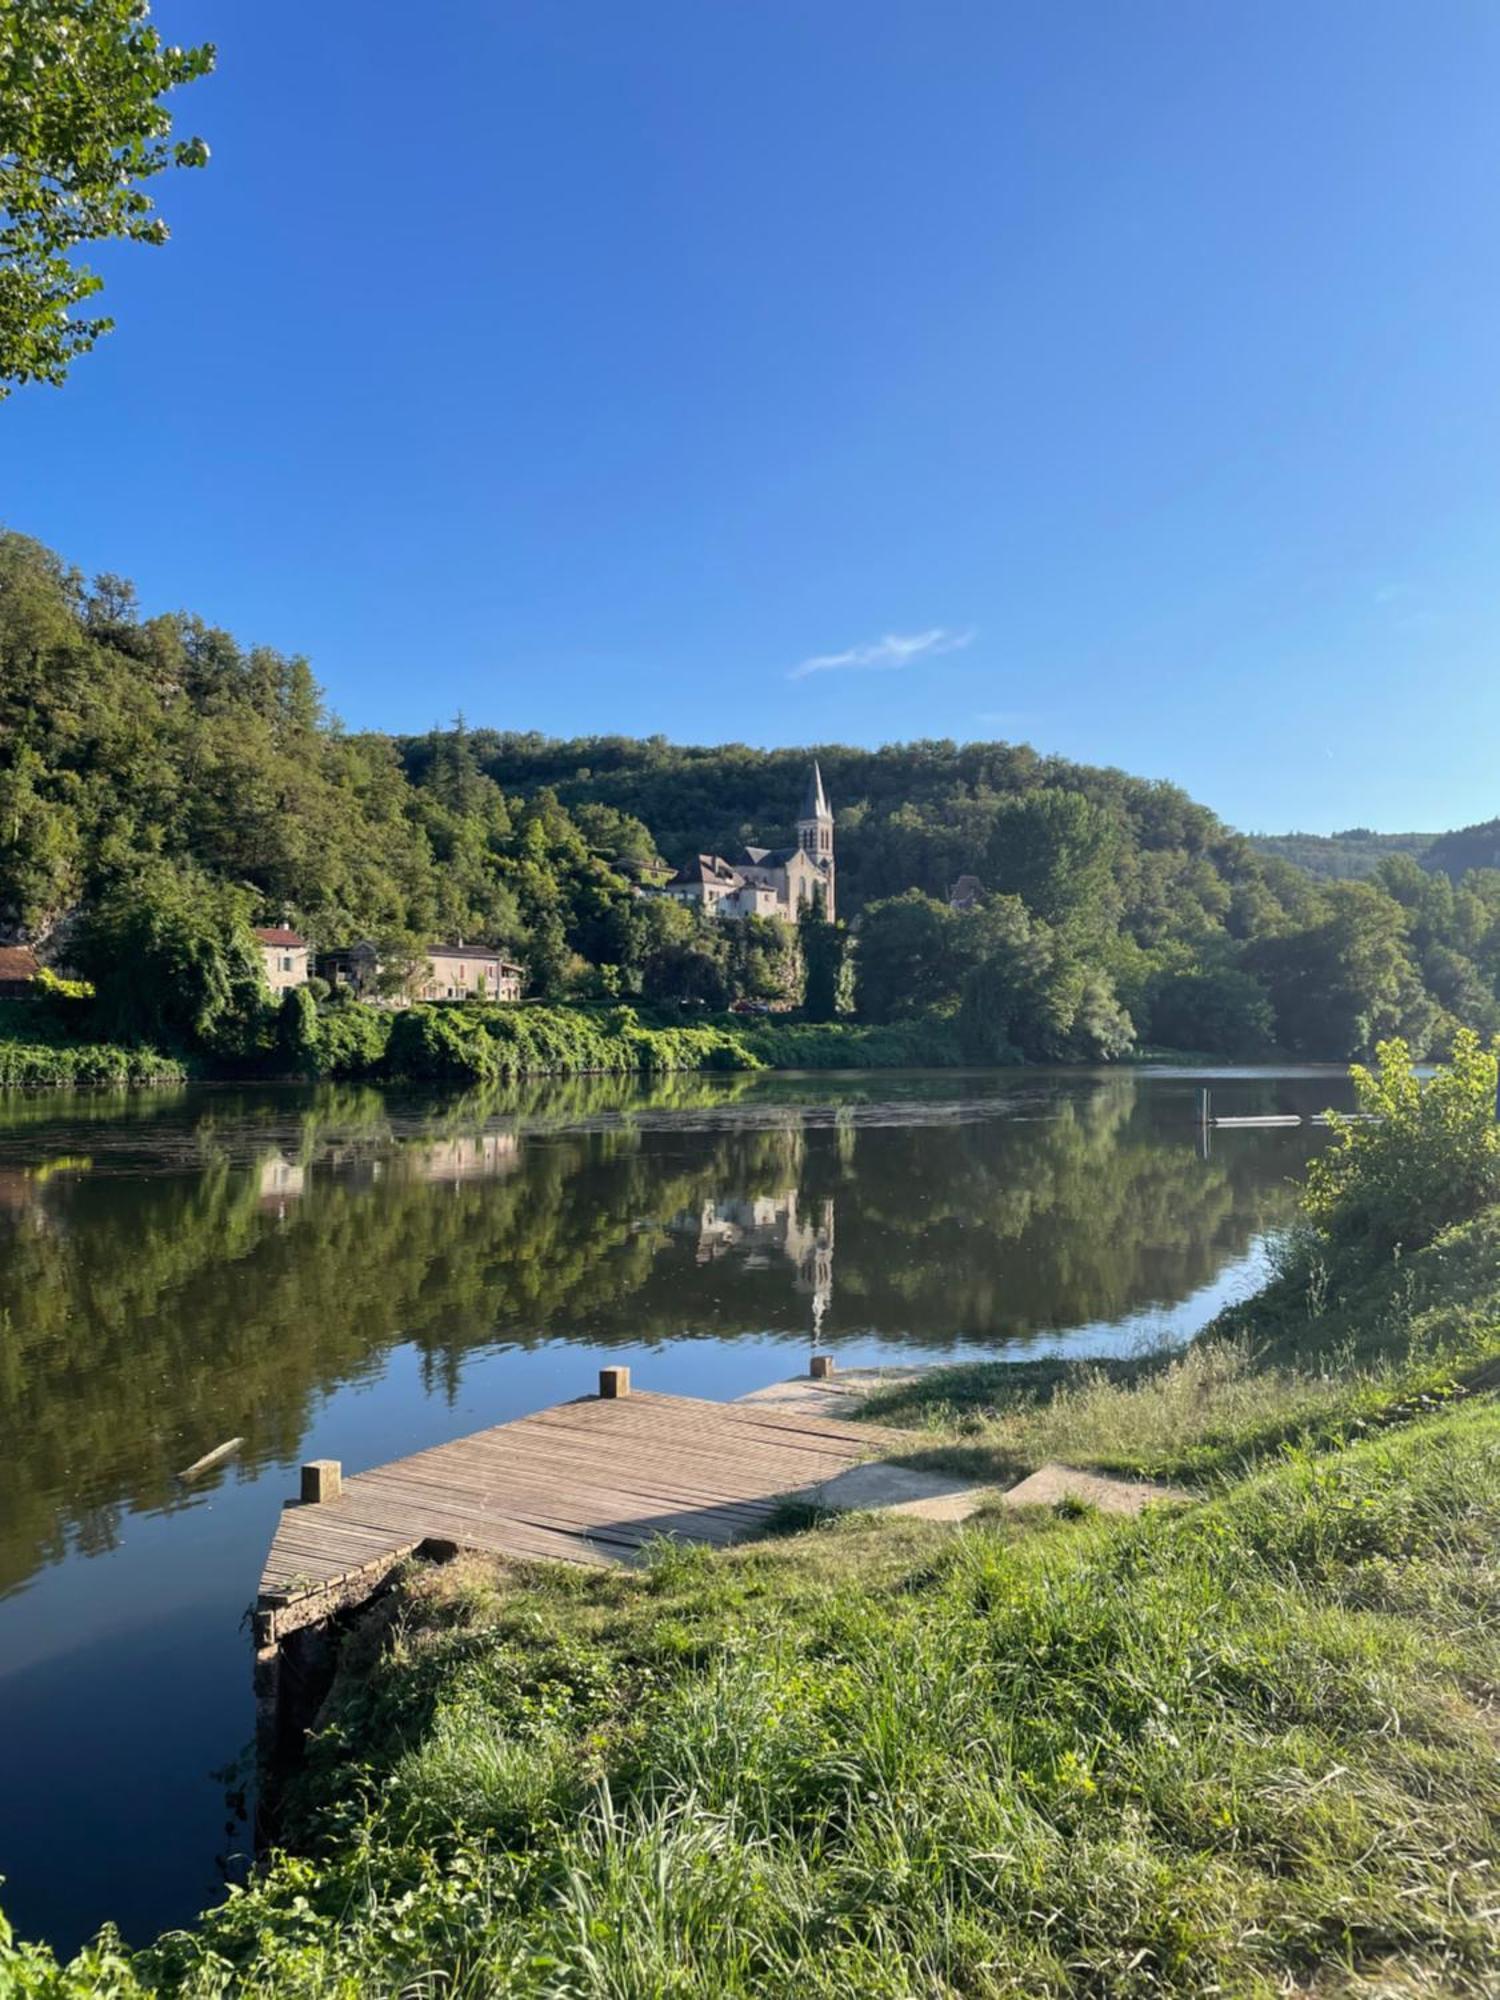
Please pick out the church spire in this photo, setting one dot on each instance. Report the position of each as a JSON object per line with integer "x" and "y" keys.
{"x": 815, "y": 799}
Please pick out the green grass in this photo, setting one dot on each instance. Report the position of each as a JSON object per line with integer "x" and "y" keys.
{"x": 1246, "y": 1749}
{"x": 1307, "y": 1361}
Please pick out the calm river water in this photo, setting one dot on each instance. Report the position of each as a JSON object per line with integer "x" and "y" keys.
{"x": 353, "y": 1274}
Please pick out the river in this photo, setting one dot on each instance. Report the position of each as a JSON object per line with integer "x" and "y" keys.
{"x": 355, "y": 1274}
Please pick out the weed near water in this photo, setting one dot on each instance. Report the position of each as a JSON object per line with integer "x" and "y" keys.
{"x": 1303, "y": 1362}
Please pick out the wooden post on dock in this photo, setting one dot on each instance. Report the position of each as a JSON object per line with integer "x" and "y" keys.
{"x": 822, "y": 1367}
{"x": 614, "y": 1383}
{"x": 1203, "y": 1108}
{"x": 322, "y": 1479}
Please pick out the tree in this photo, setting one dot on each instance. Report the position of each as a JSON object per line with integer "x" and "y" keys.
{"x": 1344, "y": 984}
{"x": 1424, "y": 1155}
{"x": 1055, "y": 849}
{"x": 912, "y": 956}
{"x": 1211, "y": 1011}
{"x": 827, "y": 966}
{"x": 173, "y": 959}
{"x": 82, "y": 129}
{"x": 1029, "y": 996}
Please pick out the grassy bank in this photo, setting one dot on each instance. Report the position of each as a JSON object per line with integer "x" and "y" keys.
{"x": 1248, "y": 1748}
{"x": 1243, "y": 1746}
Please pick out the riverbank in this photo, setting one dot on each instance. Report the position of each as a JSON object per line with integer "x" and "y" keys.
{"x": 1242, "y": 1744}
{"x": 469, "y": 1045}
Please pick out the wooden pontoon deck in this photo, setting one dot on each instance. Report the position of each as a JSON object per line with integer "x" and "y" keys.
{"x": 585, "y": 1482}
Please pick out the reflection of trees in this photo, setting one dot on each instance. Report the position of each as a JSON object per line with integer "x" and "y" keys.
{"x": 284, "y": 1243}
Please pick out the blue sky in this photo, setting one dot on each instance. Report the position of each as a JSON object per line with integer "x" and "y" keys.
{"x": 1121, "y": 379}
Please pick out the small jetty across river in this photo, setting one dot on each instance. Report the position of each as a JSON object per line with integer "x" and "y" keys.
{"x": 592, "y": 1481}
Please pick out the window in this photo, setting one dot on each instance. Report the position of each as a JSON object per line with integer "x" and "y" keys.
{"x": 286, "y": 964}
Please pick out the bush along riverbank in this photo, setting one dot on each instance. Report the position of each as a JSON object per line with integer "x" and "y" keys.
{"x": 64, "y": 1065}
{"x": 479, "y": 1044}
{"x": 483, "y": 1044}
{"x": 1243, "y": 1744}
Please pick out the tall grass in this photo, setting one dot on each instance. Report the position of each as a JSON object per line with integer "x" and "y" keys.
{"x": 1247, "y": 1749}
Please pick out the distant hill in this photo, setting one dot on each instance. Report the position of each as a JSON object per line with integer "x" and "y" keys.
{"x": 1355, "y": 854}
{"x": 1470, "y": 847}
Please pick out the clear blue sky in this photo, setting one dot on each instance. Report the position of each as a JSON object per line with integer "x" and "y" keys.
{"x": 593, "y": 366}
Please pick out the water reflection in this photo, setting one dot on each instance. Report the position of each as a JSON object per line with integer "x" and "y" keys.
{"x": 349, "y": 1273}
{"x": 178, "y": 1271}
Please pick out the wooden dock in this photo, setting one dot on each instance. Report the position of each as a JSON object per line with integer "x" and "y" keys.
{"x": 591, "y": 1481}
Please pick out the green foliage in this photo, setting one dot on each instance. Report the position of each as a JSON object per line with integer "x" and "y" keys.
{"x": 483, "y": 1044}
{"x": 39, "y": 1065}
{"x": 82, "y": 130}
{"x": 298, "y": 1045}
{"x": 1347, "y": 981}
{"x": 828, "y": 967}
{"x": 1352, "y": 856}
{"x": 1056, "y": 849}
{"x": 1018, "y": 989}
{"x": 1460, "y": 853}
{"x": 1110, "y": 909}
{"x": 1212, "y": 1011}
{"x": 172, "y": 958}
{"x": 782, "y": 1044}
{"x": 1428, "y": 1156}
{"x": 352, "y": 1040}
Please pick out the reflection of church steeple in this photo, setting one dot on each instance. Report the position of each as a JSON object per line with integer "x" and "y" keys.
{"x": 758, "y": 1226}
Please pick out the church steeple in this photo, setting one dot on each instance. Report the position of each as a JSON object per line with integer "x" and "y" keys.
{"x": 814, "y": 799}
{"x": 815, "y": 833}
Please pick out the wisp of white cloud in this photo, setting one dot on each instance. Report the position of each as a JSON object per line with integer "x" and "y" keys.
{"x": 896, "y": 649}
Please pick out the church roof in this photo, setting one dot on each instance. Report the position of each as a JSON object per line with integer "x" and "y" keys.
{"x": 815, "y": 799}
{"x": 705, "y": 868}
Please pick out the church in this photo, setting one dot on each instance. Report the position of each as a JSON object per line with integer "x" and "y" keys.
{"x": 765, "y": 881}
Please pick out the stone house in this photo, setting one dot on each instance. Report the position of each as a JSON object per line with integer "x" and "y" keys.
{"x": 445, "y": 972}
{"x": 286, "y": 957}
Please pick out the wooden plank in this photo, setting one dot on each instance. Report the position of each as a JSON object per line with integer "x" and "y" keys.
{"x": 591, "y": 1481}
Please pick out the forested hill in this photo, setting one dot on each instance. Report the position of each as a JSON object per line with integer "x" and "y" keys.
{"x": 162, "y": 784}
{"x": 1352, "y": 856}
{"x": 915, "y": 815}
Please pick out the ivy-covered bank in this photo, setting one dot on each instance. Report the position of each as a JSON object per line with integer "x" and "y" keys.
{"x": 476, "y": 1044}
{"x": 52, "y": 1065}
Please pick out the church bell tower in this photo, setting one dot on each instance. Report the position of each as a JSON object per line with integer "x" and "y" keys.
{"x": 815, "y": 835}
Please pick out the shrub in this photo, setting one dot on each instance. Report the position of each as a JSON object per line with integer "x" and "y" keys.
{"x": 39, "y": 1065}
{"x": 1417, "y": 1157}
{"x": 352, "y": 1040}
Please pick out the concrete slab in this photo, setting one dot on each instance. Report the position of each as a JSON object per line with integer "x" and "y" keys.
{"x": 1053, "y": 1482}
{"x": 893, "y": 1489}
{"x": 838, "y": 1395}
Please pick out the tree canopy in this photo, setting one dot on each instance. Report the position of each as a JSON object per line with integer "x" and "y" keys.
{"x": 83, "y": 128}
{"x": 156, "y": 762}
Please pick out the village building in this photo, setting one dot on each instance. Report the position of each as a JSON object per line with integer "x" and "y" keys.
{"x": 18, "y": 970}
{"x": 286, "y": 957}
{"x": 764, "y": 881}
{"x": 444, "y": 972}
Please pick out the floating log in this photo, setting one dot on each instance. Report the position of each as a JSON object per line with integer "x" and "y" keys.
{"x": 211, "y": 1458}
